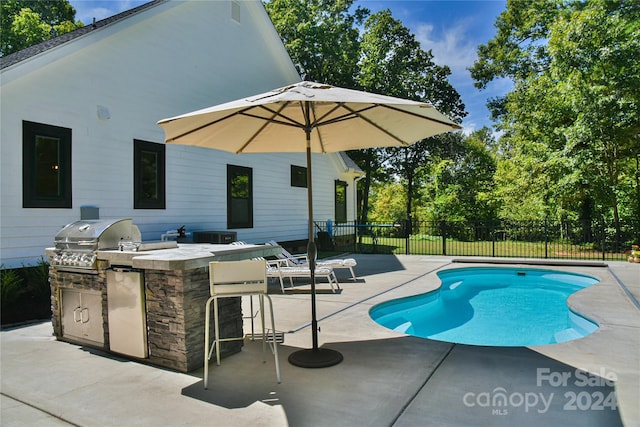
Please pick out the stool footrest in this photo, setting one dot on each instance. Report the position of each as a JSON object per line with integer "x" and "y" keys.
{"x": 269, "y": 336}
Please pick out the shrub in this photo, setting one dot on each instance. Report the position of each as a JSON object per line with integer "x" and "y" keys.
{"x": 12, "y": 288}
{"x": 37, "y": 278}
{"x": 26, "y": 294}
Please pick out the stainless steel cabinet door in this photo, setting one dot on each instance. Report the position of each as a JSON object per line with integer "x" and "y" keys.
{"x": 127, "y": 314}
{"x": 82, "y": 315}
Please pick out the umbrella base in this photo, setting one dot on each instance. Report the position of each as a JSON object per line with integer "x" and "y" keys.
{"x": 315, "y": 358}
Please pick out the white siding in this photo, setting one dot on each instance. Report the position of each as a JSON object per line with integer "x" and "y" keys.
{"x": 167, "y": 60}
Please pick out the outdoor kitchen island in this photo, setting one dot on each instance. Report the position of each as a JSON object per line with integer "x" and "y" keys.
{"x": 164, "y": 325}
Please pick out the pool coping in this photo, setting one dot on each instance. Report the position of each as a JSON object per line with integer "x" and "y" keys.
{"x": 531, "y": 261}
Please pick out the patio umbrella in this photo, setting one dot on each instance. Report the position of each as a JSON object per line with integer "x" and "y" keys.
{"x": 332, "y": 119}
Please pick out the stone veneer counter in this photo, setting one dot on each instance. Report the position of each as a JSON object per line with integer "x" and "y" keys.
{"x": 176, "y": 288}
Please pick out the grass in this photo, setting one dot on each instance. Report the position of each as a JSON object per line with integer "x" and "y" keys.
{"x": 433, "y": 245}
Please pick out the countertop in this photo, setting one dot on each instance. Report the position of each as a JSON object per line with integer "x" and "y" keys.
{"x": 185, "y": 256}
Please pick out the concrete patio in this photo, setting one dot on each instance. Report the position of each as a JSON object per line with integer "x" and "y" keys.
{"x": 386, "y": 378}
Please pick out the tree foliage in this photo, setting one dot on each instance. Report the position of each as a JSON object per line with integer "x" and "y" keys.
{"x": 460, "y": 178}
{"x": 24, "y": 23}
{"x": 571, "y": 123}
{"x": 394, "y": 63}
{"x": 321, "y": 36}
{"x": 388, "y": 202}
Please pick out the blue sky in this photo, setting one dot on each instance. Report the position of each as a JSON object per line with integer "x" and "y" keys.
{"x": 452, "y": 29}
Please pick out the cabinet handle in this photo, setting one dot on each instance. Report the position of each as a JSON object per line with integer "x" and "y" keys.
{"x": 75, "y": 314}
{"x": 82, "y": 317}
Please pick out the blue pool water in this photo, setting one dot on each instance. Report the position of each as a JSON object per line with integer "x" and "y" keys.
{"x": 492, "y": 307}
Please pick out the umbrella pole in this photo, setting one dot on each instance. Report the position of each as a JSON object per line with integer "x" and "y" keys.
{"x": 312, "y": 250}
{"x": 314, "y": 357}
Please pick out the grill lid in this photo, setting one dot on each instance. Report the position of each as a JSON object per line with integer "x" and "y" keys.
{"x": 95, "y": 234}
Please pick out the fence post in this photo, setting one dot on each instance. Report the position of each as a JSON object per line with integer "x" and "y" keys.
{"x": 604, "y": 241}
{"x": 443, "y": 230}
{"x": 355, "y": 236}
{"x": 407, "y": 236}
{"x": 493, "y": 238}
{"x": 546, "y": 239}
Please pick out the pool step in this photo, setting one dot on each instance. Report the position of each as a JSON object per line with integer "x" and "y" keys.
{"x": 567, "y": 335}
{"x": 403, "y": 328}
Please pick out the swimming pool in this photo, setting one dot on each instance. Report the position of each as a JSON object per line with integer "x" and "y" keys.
{"x": 492, "y": 306}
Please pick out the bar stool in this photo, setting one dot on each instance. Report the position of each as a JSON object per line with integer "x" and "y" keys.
{"x": 236, "y": 279}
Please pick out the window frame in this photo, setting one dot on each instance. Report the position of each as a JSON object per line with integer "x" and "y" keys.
{"x": 232, "y": 171}
{"x": 298, "y": 176}
{"x": 30, "y": 196}
{"x": 139, "y": 201}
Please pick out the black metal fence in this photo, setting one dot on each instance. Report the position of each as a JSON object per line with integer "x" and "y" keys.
{"x": 528, "y": 239}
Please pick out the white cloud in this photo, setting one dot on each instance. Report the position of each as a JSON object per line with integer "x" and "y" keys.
{"x": 454, "y": 48}
{"x": 469, "y": 127}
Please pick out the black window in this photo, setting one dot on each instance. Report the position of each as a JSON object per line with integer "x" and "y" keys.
{"x": 341, "y": 201}
{"x": 239, "y": 197}
{"x": 298, "y": 176}
{"x": 46, "y": 166}
{"x": 148, "y": 175}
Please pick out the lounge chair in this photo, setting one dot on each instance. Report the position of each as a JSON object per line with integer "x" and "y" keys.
{"x": 302, "y": 261}
{"x": 279, "y": 269}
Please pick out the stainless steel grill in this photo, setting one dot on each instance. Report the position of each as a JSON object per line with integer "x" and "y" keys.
{"x": 77, "y": 243}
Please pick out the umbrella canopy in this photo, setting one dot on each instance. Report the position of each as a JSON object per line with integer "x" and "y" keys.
{"x": 332, "y": 119}
{"x": 338, "y": 120}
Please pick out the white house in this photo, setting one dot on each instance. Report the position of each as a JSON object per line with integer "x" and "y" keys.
{"x": 78, "y": 129}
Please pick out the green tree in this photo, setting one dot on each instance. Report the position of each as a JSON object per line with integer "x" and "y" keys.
{"x": 394, "y": 63}
{"x": 594, "y": 50}
{"x": 388, "y": 202}
{"x": 24, "y": 23}
{"x": 460, "y": 183}
{"x": 321, "y": 36}
{"x": 571, "y": 122}
{"x": 442, "y": 197}
{"x": 371, "y": 161}
{"x": 521, "y": 185}
{"x": 474, "y": 172}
